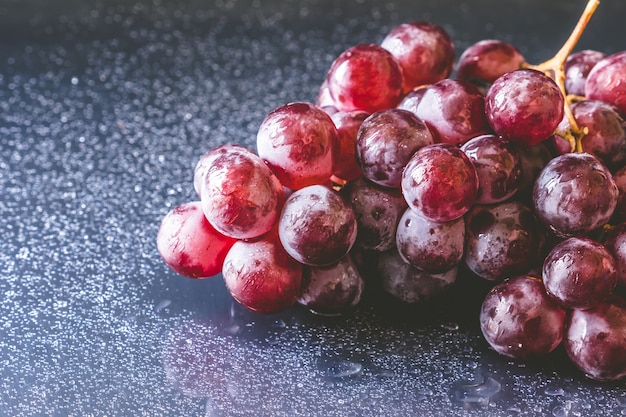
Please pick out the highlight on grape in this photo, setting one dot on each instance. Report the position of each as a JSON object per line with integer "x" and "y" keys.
{"x": 408, "y": 169}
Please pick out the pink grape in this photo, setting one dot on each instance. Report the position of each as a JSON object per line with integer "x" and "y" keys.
{"x": 577, "y": 68}
{"x": 189, "y": 244}
{"x": 579, "y": 273}
{"x": 386, "y": 141}
{"x": 331, "y": 290}
{"x": 454, "y": 111}
{"x": 484, "y": 61}
{"x": 424, "y": 50}
{"x": 605, "y": 81}
{"x": 574, "y": 194}
{"x": 524, "y": 105}
{"x": 240, "y": 195}
{"x": 345, "y": 165}
{"x": 440, "y": 182}
{"x": 365, "y": 77}
{"x": 317, "y": 226}
{"x": 519, "y": 320}
{"x": 296, "y": 141}
{"x": 261, "y": 276}
{"x": 595, "y": 340}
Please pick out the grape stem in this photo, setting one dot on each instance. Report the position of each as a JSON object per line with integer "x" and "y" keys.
{"x": 555, "y": 69}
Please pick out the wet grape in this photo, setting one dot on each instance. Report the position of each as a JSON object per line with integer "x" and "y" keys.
{"x": 615, "y": 243}
{"x": 484, "y": 61}
{"x": 605, "y": 81}
{"x": 577, "y": 68}
{"x": 345, "y": 165}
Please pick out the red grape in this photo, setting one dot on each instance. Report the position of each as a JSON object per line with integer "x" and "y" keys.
{"x": 423, "y": 49}
{"x": 533, "y": 160}
{"x": 483, "y": 62}
{"x": 524, "y": 105}
{"x": 345, "y": 166}
{"x": 296, "y": 141}
{"x": 519, "y": 320}
{"x": 595, "y": 340}
{"x": 189, "y": 244}
{"x": 440, "y": 182}
{"x": 579, "y": 273}
{"x": 240, "y": 195}
{"x": 605, "y": 81}
{"x": 577, "y": 68}
{"x": 619, "y": 215}
{"x": 365, "y": 77}
{"x": 386, "y": 141}
{"x": 317, "y": 226}
{"x": 261, "y": 276}
{"x": 615, "y": 243}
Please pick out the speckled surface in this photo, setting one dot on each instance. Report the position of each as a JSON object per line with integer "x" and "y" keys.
{"x": 105, "y": 106}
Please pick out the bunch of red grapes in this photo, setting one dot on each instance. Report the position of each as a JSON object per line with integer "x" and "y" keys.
{"x": 402, "y": 172}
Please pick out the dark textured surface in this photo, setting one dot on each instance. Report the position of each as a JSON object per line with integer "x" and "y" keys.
{"x": 105, "y": 106}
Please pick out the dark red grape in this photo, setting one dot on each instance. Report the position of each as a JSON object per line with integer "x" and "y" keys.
{"x": 378, "y": 211}
{"x": 605, "y": 81}
{"x": 189, "y": 244}
{"x": 317, "y": 226}
{"x": 331, "y": 290}
{"x": 595, "y": 340}
{"x": 619, "y": 215}
{"x": 519, "y": 320}
{"x": 577, "y": 68}
{"x": 615, "y": 243}
{"x": 483, "y": 62}
{"x": 575, "y": 194}
{"x": 261, "y": 276}
{"x": 386, "y": 141}
{"x": 533, "y": 160}
{"x": 524, "y": 105}
{"x": 433, "y": 247}
{"x": 296, "y": 141}
{"x": 503, "y": 240}
{"x": 440, "y": 182}
{"x": 579, "y": 273}
{"x": 365, "y": 77}
{"x": 345, "y": 166}
{"x": 424, "y": 50}
{"x": 454, "y": 111}
{"x": 498, "y": 165}
{"x": 605, "y": 137}
{"x": 410, "y": 284}
{"x": 240, "y": 195}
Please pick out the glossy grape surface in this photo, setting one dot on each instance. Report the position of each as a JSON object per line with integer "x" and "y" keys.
{"x": 619, "y": 215}
{"x": 260, "y": 275}
{"x": 433, "y": 247}
{"x": 575, "y": 194}
{"x": 605, "y": 81}
{"x": 423, "y": 49}
{"x": 577, "y": 68}
{"x": 579, "y": 273}
{"x": 454, "y": 111}
{"x": 615, "y": 243}
{"x": 331, "y": 290}
{"x": 519, "y": 320}
{"x": 240, "y": 195}
{"x": 440, "y": 182}
{"x": 317, "y": 226}
{"x": 595, "y": 340}
{"x": 503, "y": 240}
{"x": 484, "y": 61}
{"x": 410, "y": 284}
{"x": 524, "y": 105}
{"x": 378, "y": 211}
{"x": 189, "y": 244}
{"x": 345, "y": 166}
{"x": 533, "y": 160}
{"x": 498, "y": 165}
{"x": 386, "y": 141}
{"x": 365, "y": 77}
{"x": 296, "y": 141}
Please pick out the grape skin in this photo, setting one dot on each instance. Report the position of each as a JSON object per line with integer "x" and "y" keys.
{"x": 519, "y": 320}
{"x": 615, "y": 243}
{"x": 317, "y": 226}
{"x": 345, "y": 166}
{"x": 595, "y": 340}
{"x": 189, "y": 244}
{"x": 574, "y": 194}
{"x": 577, "y": 68}
{"x": 378, "y": 211}
{"x": 484, "y": 61}
{"x": 605, "y": 81}
{"x": 240, "y": 195}
{"x": 440, "y": 182}
{"x": 296, "y": 141}
{"x": 579, "y": 273}
{"x": 430, "y": 246}
{"x": 524, "y": 105}
{"x": 385, "y": 142}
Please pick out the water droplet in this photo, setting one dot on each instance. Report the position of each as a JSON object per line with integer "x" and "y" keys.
{"x": 554, "y": 391}
{"x": 279, "y": 324}
{"x": 450, "y": 326}
{"x": 621, "y": 401}
{"x": 340, "y": 368}
{"x": 74, "y": 80}
{"x": 562, "y": 410}
{"x": 478, "y": 391}
{"x": 162, "y": 305}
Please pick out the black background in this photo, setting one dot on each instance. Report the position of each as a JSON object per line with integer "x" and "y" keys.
{"x": 105, "y": 107}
